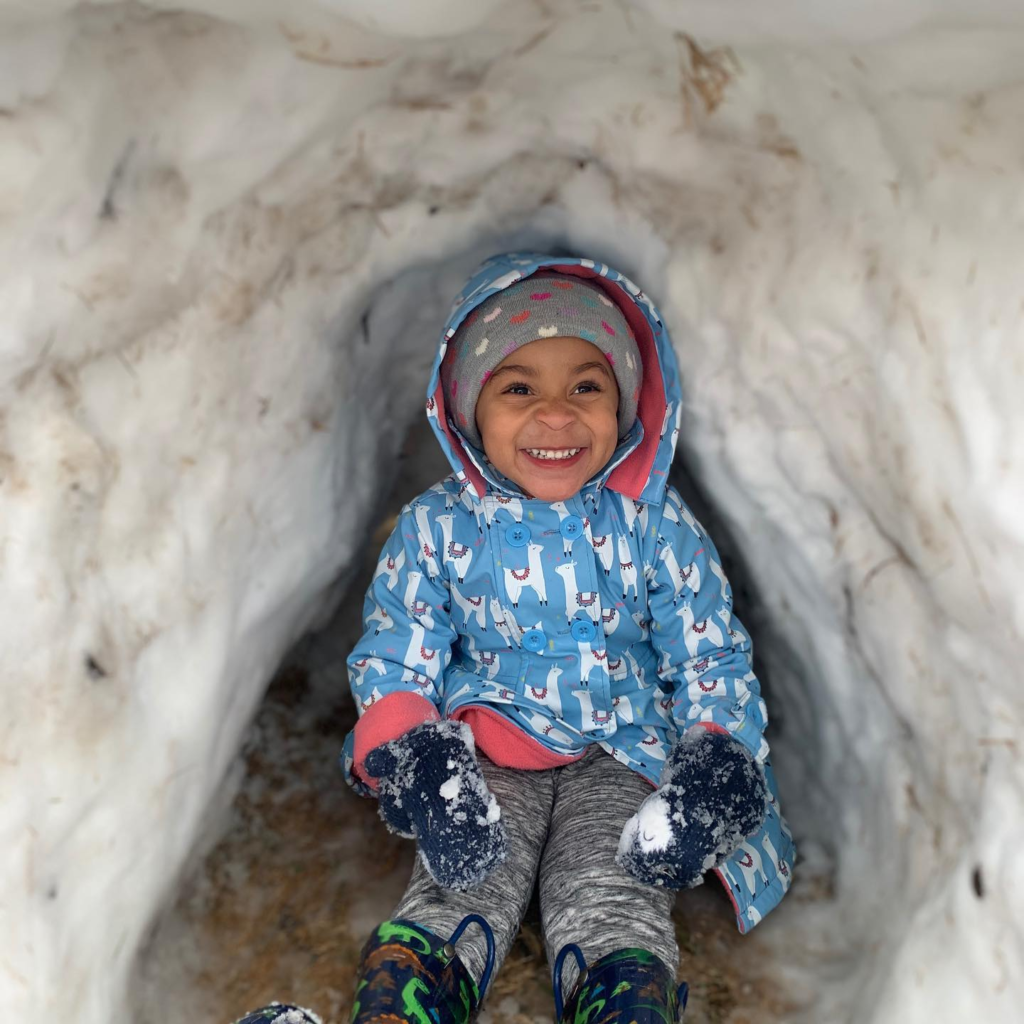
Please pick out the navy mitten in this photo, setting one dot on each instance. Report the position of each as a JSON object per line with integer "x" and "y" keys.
{"x": 431, "y": 789}
{"x": 712, "y": 796}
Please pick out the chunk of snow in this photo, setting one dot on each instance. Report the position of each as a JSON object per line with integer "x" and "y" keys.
{"x": 450, "y": 789}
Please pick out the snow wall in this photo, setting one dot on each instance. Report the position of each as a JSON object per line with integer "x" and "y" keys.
{"x": 227, "y": 238}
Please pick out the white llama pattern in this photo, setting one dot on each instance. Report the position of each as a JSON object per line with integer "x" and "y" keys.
{"x": 627, "y": 569}
{"x": 575, "y": 599}
{"x": 460, "y": 555}
{"x": 516, "y": 580}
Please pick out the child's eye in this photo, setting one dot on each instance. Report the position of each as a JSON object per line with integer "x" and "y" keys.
{"x": 524, "y": 389}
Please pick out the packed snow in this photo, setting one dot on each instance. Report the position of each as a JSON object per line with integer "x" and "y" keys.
{"x": 228, "y": 236}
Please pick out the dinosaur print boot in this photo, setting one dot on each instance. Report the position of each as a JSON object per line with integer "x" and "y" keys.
{"x": 409, "y": 975}
{"x": 628, "y": 986}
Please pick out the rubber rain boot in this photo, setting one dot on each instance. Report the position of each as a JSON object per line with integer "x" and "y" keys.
{"x": 409, "y": 975}
{"x": 626, "y": 986}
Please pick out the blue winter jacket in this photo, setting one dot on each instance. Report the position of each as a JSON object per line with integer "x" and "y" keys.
{"x": 605, "y": 618}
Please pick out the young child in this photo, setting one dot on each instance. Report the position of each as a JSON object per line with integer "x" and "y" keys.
{"x": 552, "y": 686}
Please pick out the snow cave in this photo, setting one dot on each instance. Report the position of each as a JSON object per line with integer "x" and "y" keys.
{"x": 229, "y": 232}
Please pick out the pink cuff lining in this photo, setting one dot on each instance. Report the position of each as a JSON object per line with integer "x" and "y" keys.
{"x": 710, "y": 727}
{"x": 498, "y": 737}
{"x": 506, "y": 744}
{"x": 386, "y": 720}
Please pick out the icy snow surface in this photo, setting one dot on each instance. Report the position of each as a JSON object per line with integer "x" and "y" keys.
{"x": 227, "y": 240}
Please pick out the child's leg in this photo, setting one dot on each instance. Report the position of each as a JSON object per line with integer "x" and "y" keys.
{"x": 501, "y": 899}
{"x": 585, "y": 897}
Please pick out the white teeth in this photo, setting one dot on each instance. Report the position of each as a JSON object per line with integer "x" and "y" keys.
{"x": 553, "y": 453}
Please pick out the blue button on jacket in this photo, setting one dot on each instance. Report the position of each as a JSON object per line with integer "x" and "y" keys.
{"x": 571, "y": 527}
{"x": 534, "y": 640}
{"x": 583, "y": 631}
{"x": 518, "y": 536}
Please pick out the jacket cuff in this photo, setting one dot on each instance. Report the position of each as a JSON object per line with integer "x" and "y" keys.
{"x": 710, "y": 727}
{"x": 389, "y": 718}
{"x": 747, "y": 736}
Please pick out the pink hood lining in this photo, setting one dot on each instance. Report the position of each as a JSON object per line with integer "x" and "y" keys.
{"x": 630, "y": 477}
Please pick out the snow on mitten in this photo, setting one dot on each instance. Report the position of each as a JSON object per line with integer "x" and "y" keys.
{"x": 712, "y": 796}
{"x": 431, "y": 789}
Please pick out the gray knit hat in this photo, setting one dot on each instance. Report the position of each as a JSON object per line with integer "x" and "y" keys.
{"x": 545, "y": 305}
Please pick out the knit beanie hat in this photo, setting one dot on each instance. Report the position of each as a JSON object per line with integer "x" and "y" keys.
{"x": 545, "y": 305}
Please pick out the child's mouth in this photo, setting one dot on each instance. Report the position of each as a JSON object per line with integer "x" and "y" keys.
{"x": 553, "y": 457}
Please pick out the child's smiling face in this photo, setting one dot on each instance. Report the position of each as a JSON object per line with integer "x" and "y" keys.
{"x": 551, "y": 397}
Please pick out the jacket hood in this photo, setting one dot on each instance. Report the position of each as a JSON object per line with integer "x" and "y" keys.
{"x": 639, "y": 467}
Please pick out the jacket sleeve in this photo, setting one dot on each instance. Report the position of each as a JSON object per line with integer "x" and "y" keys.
{"x": 705, "y": 666}
{"x": 396, "y": 670}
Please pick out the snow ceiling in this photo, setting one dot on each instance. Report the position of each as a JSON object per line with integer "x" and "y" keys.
{"x": 228, "y": 236}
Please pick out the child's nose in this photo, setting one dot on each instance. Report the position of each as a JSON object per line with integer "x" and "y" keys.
{"x": 556, "y": 414}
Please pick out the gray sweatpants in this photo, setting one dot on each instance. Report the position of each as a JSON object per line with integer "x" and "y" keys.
{"x": 565, "y": 822}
